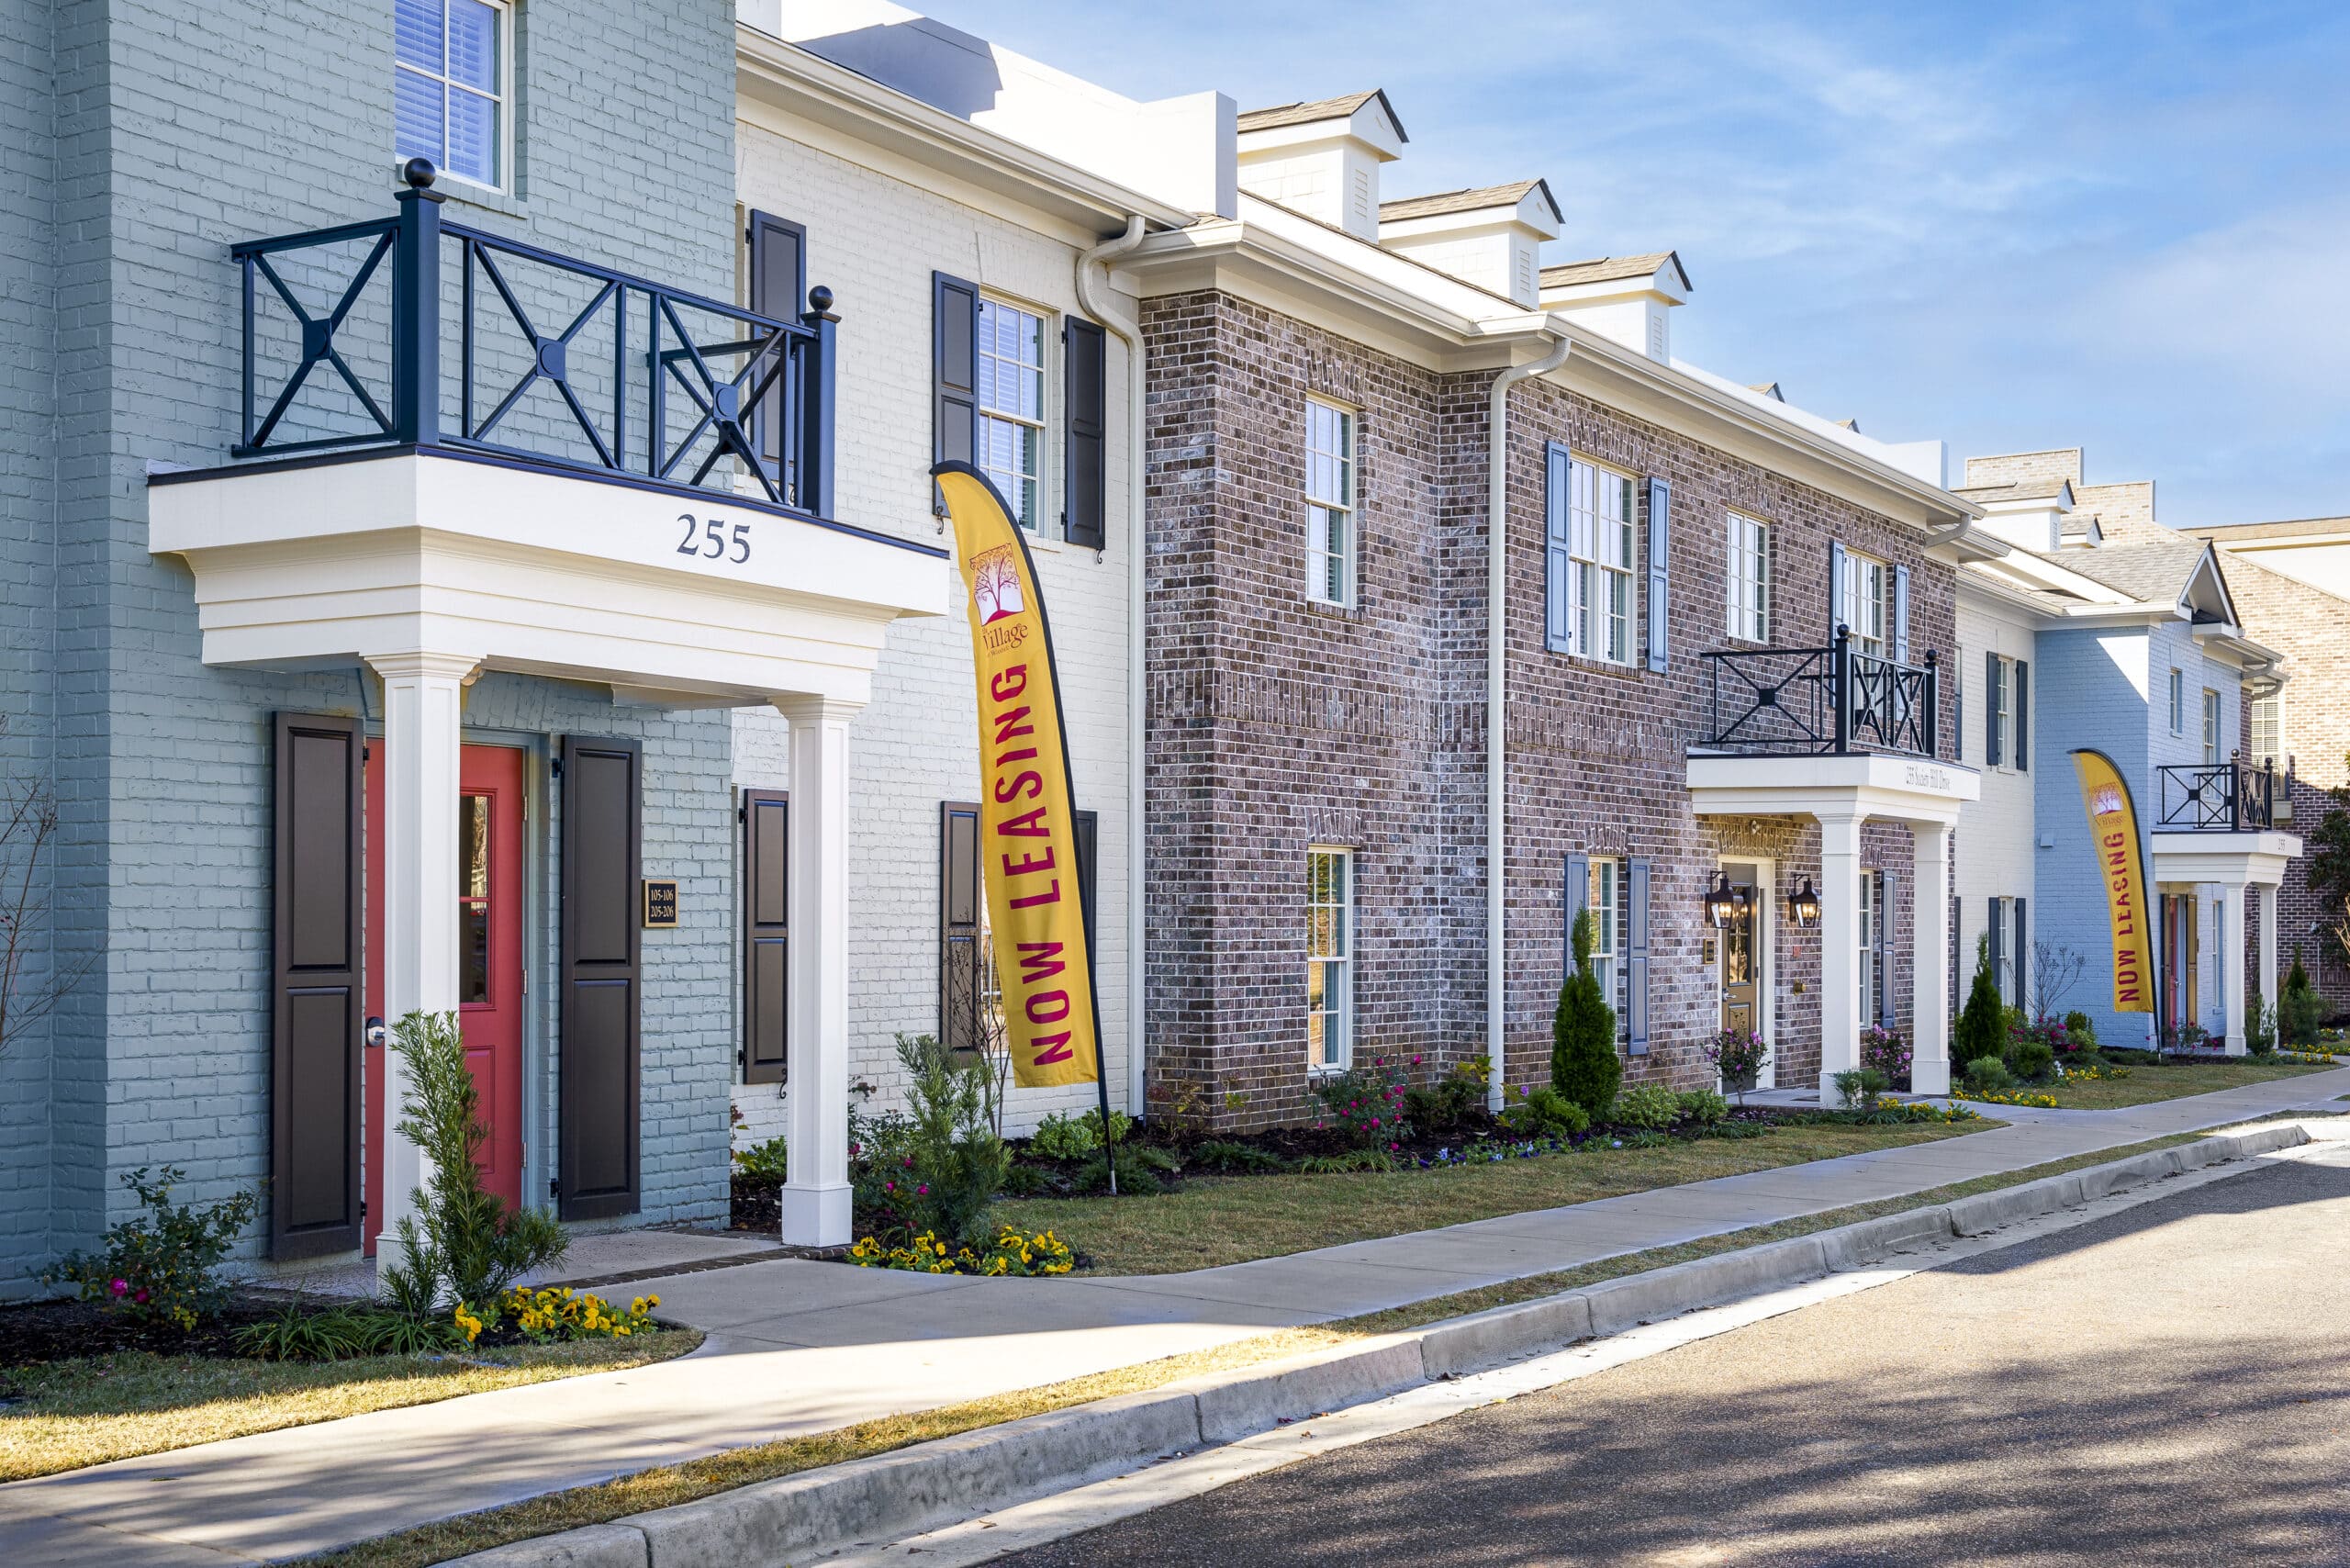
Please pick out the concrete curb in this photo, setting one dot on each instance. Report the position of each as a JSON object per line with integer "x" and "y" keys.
{"x": 769, "y": 1524}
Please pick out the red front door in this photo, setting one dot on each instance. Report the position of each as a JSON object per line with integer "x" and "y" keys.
{"x": 489, "y": 958}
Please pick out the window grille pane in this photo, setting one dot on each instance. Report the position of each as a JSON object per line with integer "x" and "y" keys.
{"x": 473, "y": 136}
{"x": 472, "y": 45}
{"x": 416, "y": 33}
{"x": 416, "y": 117}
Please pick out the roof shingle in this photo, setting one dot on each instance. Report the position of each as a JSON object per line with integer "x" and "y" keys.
{"x": 1318, "y": 109}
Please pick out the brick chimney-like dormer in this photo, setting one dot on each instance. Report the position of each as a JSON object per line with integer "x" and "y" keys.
{"x": 1492, "y": 236}
{"x": 1322, "y": 159}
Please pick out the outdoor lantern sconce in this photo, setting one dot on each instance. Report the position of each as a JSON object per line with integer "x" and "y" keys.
{"x": 1721, "y": 904}
{"x": 1803, "y": 904}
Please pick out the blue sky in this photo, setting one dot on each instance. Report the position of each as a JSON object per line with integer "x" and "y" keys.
{"x": 2119, "y": 227}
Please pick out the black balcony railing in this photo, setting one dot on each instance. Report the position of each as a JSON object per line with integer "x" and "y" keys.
{"x": 1834, "y": 700}
{"x": 2216, "y": 797}
{"x": 700, "y": 392}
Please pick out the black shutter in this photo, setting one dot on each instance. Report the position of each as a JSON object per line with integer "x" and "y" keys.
{"x": 1888, "y": 893}
{"x": 959, "y": 921}
{"x": 955, "y": 371}
{"x": 1901, "y": 615}
{"x": 1084, "y": 438}
{"x": 1088, "y": 840}
{"x": 766, "y": 937}
{"x": 1635, "y": 969}
{"x": 600, "y": 1004}
{"x": 314, "y": 996}
{"x": 1573, "y": 895}
{"x": 1998, "y": 928}
{"x": 1660, "y": 559}
{"x": 779, "y": 289}
{"x": 2023, "y": 957}
{"x": 2024, "y": 716}
{"x": 1991, "y": 705}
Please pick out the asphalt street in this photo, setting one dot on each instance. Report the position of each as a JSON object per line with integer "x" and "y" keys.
{"x": 2167, "y": 1385}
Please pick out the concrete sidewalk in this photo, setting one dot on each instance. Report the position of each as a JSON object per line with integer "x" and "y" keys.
{"x": 798, "y": 1346}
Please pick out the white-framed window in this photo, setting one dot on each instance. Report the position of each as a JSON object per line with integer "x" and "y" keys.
{"x": 2000, "y": 715}
{"x": 1011, "y": 406}
{"x": 1604, "y": 899}
{"x": 2177, "y": 703}
{"x": 1749, "y": 579}
{"x": 1329, "y": 502}
{"x": 1871, "y": 911}
{"x": 2211, "y": 727}
{"x": 1863, "y": 606}
{"x": 1599, "y": 574}
{"x": 452, "y": 85}
{"x": 2269, "y": 729}
{"x": 1329, "y": 956}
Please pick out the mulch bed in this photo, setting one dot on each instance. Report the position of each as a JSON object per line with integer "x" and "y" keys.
{"x": 63, "y": 1331}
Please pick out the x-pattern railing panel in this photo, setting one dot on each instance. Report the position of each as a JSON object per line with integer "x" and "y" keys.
{"x": 1819, "y": 699}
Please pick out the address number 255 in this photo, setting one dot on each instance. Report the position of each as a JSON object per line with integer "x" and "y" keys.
{"x": 709, "y": 540}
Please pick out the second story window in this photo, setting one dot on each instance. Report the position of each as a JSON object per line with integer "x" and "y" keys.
{"x": 1749, "y": 579}
{"x": 1599, "y": 552}
{"x": 1329, "y": 502}
{"x": 2177, "y": 703}
{"x": 451, "y": 85}
{"x": 2211, "y": 727}
{"x": 1863, "y": 606}
{"x": 1011, "y": 406}
{"x": 1999, "y": 713}
{"x": 2269, "y": 729}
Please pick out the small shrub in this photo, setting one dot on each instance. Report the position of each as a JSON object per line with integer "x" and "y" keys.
{"x": 950, "y": 1164}
{"x": 761, "y": 1162}
{"x": 1739, "y": 1129}
{"x": 2031, "y": 1060}
{"x": 1544, "y": 1112}
{"x": 1025, "y": 1181}
{"x": 1650, "y": 1105}
{"x": 2299, "y": 1010}
{"x": 1010, "y": 1254}
{"x": 296, "y": 1333}
{"x": 1142, "y": 1168}
{"x": 1989, "y": 1075}
{"x": 1858, "y": 1087}
{"x": 1219, "y": 1155}
{"x": 2186, "y": 1039}
{"x": 1886, "y": 1053}
{"x": 2078, "y": 1026}
{"x": 2125, "y": 1057}
{"x": 1703, "y": 1106}
{"x": 1451, "y": 1100}
{"x": 162, "y": 1265}
{"x": 1584, "y": 1066}
{"x": 1064, "y": 1137}
{"x": 1344, "y": 1162}
{"x": 1982, "y": 1024}
{"x": 461, "y": 1242}
{"x": 1646, "y": 1139}
{"x": 2260, "y": 1029}
{"x": 1366, "y": 1103}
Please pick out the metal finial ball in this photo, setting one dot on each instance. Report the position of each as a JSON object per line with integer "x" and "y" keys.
{"x": 419, "y": 173}
{"x": 820, "y": 299}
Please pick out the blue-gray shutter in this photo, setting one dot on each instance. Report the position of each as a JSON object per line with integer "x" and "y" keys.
{"x": 1555, "y": 565}
{"x": 1991, "y": 683}
{"x": 1084, "y": 434}
{"x": 1901, "y": 615}
{"x": 1636, "y": 967}
{"x": 2024, "y": 716}
{"x": 1574, "y": 897}
{"x": 1835, "y": 587}
{"x": 2023, "y": 955}
{"x": 1888, "y": 893}
{"x": 954, "y": 371}
{"x": 1660, "y": 552}
{"x": 1998, "y": 927}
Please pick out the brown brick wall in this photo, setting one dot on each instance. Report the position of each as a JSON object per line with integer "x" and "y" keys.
{"x": 1275, "y": 723}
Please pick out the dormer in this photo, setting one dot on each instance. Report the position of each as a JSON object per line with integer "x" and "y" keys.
{"x": 1626, "y": 298}
{"x": 1491, "y": 237}
{"x": 2029, "y": 513}
{"x": 1322, "y": 159}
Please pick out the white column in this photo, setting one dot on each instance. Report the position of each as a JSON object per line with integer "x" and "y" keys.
{"x": 816, "y": 1197}
{"x": 1839, "y": 942}
{"x": 423, "y": 724}
{"x": 1929, "y": 963}
{"x": 2268, "y": 956}
{"x": 2231, "y": 964}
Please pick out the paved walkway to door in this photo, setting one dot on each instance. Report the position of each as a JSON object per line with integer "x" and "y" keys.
{"x": 798, "y": 1346}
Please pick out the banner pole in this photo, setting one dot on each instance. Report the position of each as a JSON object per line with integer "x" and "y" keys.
{"x": 1109, "y": 1142}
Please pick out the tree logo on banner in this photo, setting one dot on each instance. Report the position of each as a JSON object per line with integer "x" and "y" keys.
{"x": 995, "y": 585}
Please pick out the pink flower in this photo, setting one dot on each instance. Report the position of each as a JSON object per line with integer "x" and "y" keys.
{"x": 120, "y": 1287}
{"x": 1374, "y": 1121}
{"x": 1416, "y": 1061}
{"x": 923, "y": 1191}
{"x": 140, "y": 1298}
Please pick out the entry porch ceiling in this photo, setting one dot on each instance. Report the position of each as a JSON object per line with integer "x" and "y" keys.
{"x": 685, "y": 598}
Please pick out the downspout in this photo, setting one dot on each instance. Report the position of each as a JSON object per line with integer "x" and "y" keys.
{"x": 1136, "y": 968}
{"x": 1497, "y": 692}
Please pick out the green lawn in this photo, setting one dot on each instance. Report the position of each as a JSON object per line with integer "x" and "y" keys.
{"x": 71, "y": 1413}
{"x": 1231, "y": 1219}
{"x": 2146, "y": 1084}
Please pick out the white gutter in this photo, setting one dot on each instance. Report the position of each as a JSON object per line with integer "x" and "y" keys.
{"x": 1497, "y": 693}
{"x": 1136, "y": 936}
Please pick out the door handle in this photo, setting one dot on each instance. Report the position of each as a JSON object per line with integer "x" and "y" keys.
{"x": 374, "y": 1035}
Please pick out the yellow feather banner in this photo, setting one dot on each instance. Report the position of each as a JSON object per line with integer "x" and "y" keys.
{"x": 2121, "y": 861}
{"x": 1027, "y": 818}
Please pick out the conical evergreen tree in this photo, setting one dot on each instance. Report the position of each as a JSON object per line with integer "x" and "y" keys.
{"x": 1983, "y": 1022}
{"x": 1583, "y": 1034}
